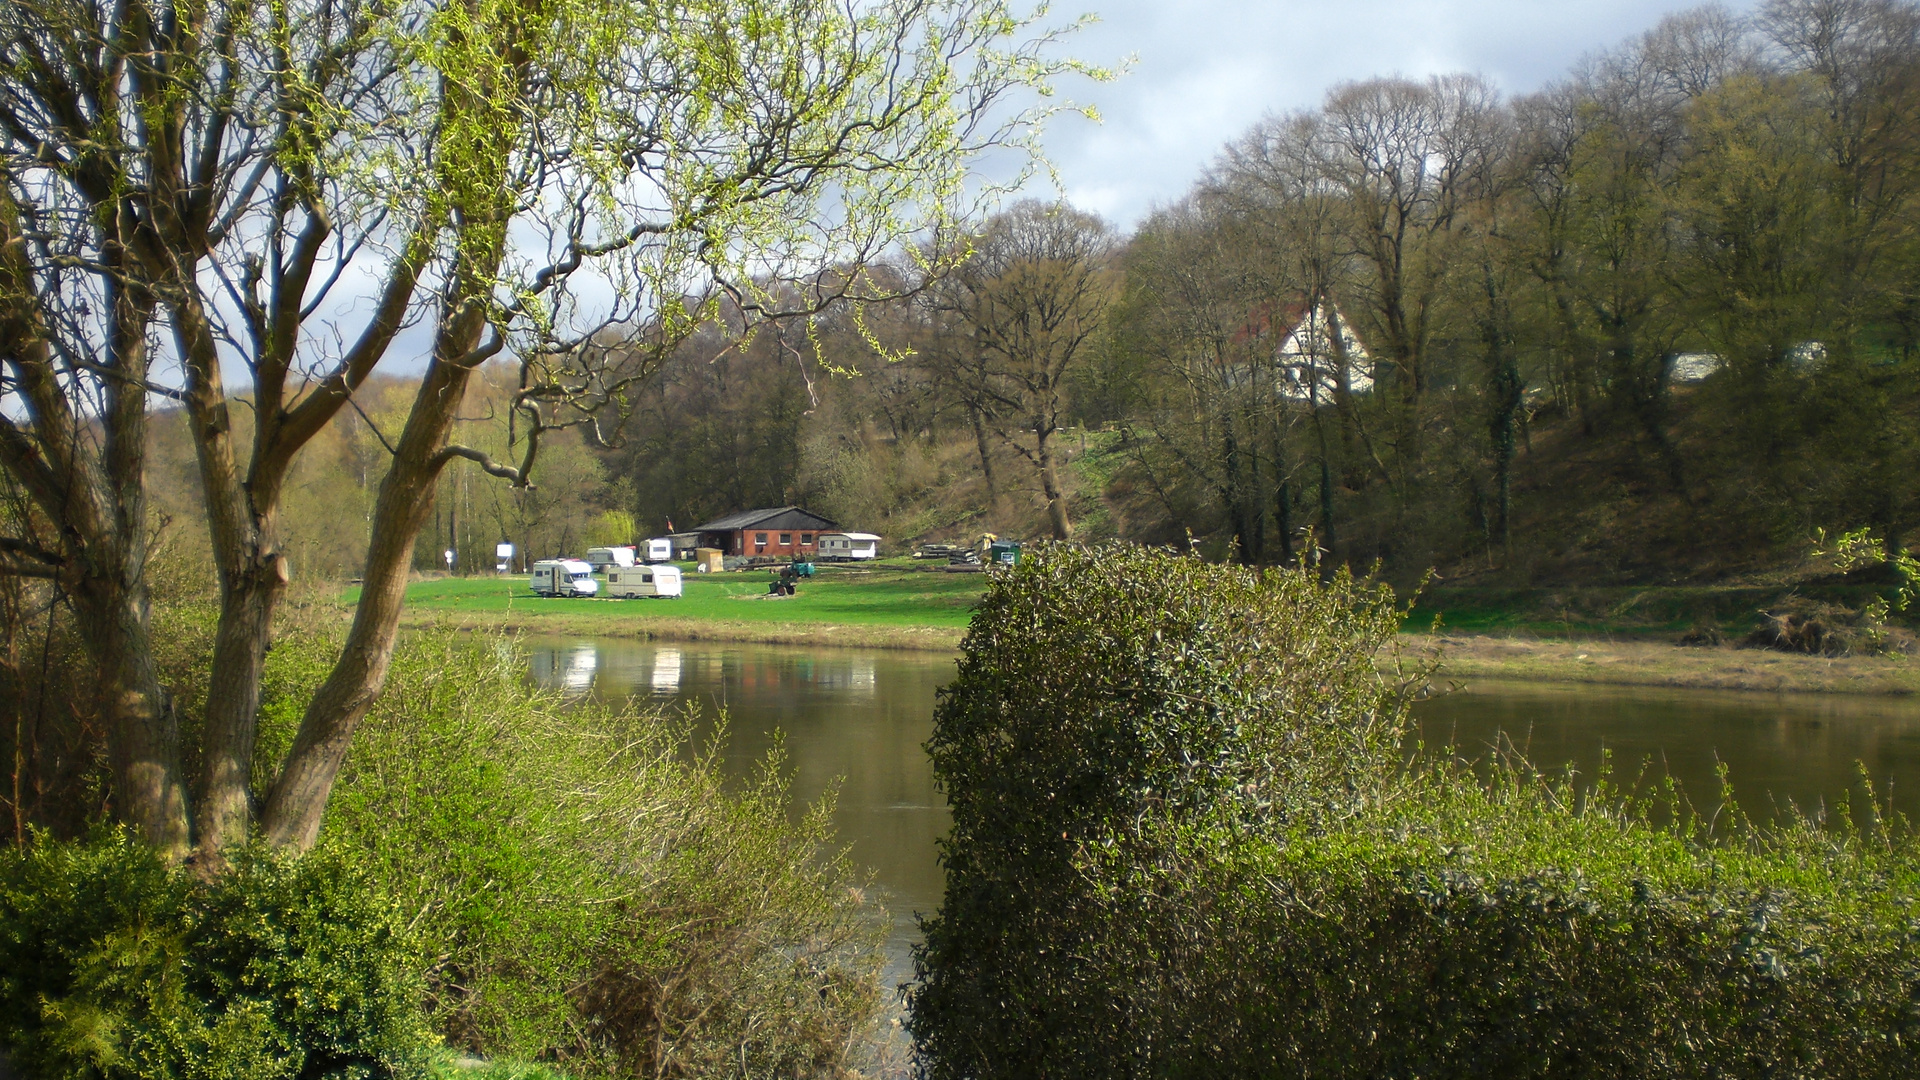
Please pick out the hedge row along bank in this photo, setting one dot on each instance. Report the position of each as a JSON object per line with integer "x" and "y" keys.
{"x": 1185, "y": 845}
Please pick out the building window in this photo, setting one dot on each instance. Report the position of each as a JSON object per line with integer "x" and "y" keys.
{"x": 786, "y": 539}
{"x": 806, "y": 538}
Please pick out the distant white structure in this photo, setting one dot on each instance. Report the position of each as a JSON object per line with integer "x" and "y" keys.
{"x": 626, "y": 582}
{"x": 1688, "y": 368}
{"x": 1311, "y": 356}
{"x": 1808, "y": 356}
{"x": 563, "y": 577}
{"x": 1693, "y": 367}
{"x": 605, "y": 558}
{"x": 848, "y": 546}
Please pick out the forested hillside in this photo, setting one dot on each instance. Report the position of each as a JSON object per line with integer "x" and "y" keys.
{"x": 1656, "y": 322}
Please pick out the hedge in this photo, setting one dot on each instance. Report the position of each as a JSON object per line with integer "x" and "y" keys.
{"x": 1185, "y": 844}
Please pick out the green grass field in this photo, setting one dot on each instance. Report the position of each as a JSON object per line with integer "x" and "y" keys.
{"x": 923, "y": 605}
{"x": 882, "y": 604}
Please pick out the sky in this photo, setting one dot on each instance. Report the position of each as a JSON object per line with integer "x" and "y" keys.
{"x": 1204, "y": 71}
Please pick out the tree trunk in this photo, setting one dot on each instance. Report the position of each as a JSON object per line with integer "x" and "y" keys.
{"x": 986, "y": 451}
{"x": 1050, "y": 484}
{"x": 240, "y": 646}
{"x": 1283, "y": 521}
{"x": 1501, "y": 428}
{"x": 299, "y": 798}
{"x": 143, "y": 730}
{"x": 1232, "y": 491}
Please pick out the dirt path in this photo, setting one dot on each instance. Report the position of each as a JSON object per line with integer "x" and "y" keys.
{"x": 1466, "y": 657}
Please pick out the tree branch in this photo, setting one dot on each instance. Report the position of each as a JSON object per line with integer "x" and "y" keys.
{"x": 486, "y": 463}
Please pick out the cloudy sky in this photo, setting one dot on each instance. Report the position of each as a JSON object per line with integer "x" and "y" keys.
{"x": 1206, "y": 70}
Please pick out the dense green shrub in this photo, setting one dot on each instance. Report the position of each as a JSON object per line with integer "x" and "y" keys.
{"x": 587, "y": 889}
{"x": 1522, "y": 931}
{"x": 114, "y": 965}
{"x": 1107, "y": 685}
{"x": 1135, "y": 890}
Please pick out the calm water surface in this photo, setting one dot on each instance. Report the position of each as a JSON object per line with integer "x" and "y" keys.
{"x": 861, "y": 718}
{"x": 858, "y": 718}
{"x": 1803, "y": 750}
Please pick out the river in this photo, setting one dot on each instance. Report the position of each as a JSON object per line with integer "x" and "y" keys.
{"x": 860, "y": 719}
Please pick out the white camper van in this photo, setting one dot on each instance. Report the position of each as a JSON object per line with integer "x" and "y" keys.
{"x": 606, "y": 558}
{"x": 563, "y": 577}
{"x": 847, "y": 547}
{"x": 629, "y": 581}
{"x": 657, "y": 549}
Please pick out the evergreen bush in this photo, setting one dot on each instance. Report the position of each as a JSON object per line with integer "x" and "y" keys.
{"x": 1527, "y": 930}
{"x": 1102, "y": 686}
{"x": 117, "y": 966}
{"x": 1182, "y": 847}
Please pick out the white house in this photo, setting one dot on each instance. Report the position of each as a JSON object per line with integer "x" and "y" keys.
{"x": 1311, "y": 355}
{"x": 1693, "y": 367}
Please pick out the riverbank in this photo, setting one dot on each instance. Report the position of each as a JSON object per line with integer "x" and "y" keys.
{"x": 1469, "y": 657}
{"x": 910, "y": 607}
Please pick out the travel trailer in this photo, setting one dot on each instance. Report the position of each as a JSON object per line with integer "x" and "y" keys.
{"x": 848, "y": 547}
{"x": 605, "y": 558}
{"x": 658, "y": 549}
{"x": 563, "y": 577}
{"x": 631, "y": 581}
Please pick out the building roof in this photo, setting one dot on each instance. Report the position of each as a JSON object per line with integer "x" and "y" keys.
{"x": 747, "y": 519}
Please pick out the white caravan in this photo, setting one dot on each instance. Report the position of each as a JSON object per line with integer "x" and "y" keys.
{"x": 563, "y": 577}
{"x": 606, "y": 558}
{"x": 847, "y": 547}
{"x": 658, "y": 549}
{"x": 629, "y": 581}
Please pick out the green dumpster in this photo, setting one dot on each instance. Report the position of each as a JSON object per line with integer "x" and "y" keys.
{"x": 1004, "y": 553}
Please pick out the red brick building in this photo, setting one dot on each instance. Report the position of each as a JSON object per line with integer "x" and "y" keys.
{"x": 781, "y": 531}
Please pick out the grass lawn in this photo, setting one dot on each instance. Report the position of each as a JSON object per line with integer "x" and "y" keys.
{"x": 880, "y": 605}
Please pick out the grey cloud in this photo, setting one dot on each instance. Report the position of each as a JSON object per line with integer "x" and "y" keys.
{"x": 1205, "y": 71}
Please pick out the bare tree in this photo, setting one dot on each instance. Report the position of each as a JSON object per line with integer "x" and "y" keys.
{"x": 1200, "y": 322}
{"x": 1027, "y": 307}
